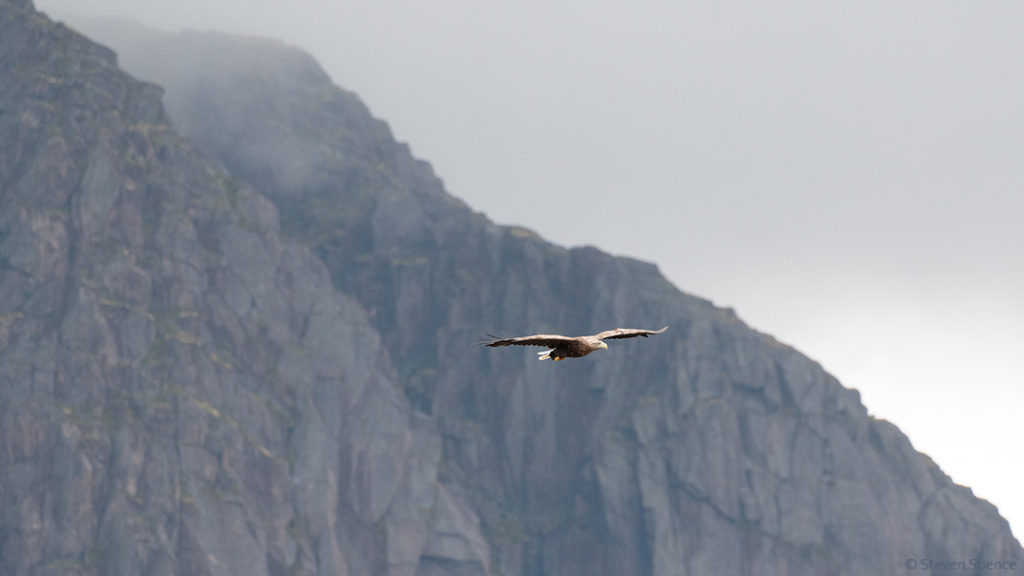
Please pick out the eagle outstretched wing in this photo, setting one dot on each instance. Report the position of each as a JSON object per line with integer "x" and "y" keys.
{"x": 546, "y": 340}
{"x": 627, "y": 333}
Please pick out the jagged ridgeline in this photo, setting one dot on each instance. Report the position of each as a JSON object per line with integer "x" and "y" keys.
{"x": 238, "y": 338}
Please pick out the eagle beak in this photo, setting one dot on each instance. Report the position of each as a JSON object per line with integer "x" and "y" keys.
{"x": 604, "y": 346}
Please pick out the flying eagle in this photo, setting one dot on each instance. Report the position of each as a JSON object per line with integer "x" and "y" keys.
{"x": 568, "y": 346}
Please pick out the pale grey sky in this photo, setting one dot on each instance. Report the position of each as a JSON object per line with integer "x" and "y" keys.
{"x": 848, "y": 176}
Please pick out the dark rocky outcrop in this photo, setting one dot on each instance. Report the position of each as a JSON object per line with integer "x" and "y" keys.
{"x": 186, "y": 389}
{"x": 181, "y": 390}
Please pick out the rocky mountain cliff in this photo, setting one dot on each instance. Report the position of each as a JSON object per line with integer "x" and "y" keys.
{"x": 182, "y": 391}
{"x": 249, "y": 350}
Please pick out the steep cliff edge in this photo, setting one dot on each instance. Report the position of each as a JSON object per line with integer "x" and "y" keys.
{"x": 709, "y": 449}
{"x": 181, "y": 390}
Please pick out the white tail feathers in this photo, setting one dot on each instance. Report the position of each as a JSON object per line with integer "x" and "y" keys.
{"x": 544, "y": 355}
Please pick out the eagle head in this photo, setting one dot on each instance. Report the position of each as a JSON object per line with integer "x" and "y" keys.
{"x": 602, "y": 346}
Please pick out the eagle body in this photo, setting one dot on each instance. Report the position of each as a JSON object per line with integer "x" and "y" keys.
{"x": 561, "y": 347}
{"x": 575, "y": 348}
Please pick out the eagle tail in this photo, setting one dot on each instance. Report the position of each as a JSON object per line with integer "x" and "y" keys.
{"x": 544, "y": 355}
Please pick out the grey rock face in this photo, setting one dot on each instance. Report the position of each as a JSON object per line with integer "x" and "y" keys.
{"x": 711, "y": 449}
{"x": 181, "y": 390}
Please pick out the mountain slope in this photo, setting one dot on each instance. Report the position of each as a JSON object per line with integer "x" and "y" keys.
{"x": 709, "y": 449}
{"x": 182, "y": 391}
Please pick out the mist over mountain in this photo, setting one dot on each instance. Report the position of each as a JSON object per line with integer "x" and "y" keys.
{"x": 237, "y": 337}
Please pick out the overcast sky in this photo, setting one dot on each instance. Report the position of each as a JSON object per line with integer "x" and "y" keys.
{"x": 848, "y": 176}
